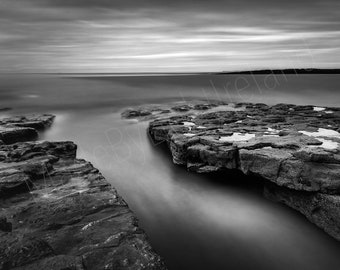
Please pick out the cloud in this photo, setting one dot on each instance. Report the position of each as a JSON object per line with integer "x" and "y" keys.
{"x": 117, "y": 36}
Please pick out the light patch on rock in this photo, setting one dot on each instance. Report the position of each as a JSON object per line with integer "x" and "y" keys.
{"x": 201, "y": 127}
{"x": 236, "y": 137}
{"x": 273, "y": 130}
{"x": 89, "y": 225}
{"x": 322, "y": 132}
{"x": 328, "y": 112}
{"x": 45, "y": 195}
{"x": 189, "y": 124}
{"x": 319, "y": 109}
{"x": 238, "y": 122}
{"x": 189, "y": 134}
{"x": 327, "y": 144}
{"x": 112, "y": 237}
{"x": 267, "y": 147}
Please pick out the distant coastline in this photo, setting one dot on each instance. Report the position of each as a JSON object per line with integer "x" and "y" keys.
{"x": 284, "y": 71}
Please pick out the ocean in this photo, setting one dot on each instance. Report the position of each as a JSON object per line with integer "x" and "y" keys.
{"x": 193, "y": 221}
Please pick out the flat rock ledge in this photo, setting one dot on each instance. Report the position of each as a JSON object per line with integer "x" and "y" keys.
{"x": 294, "y": 148}
{"x": 58, "y": 212}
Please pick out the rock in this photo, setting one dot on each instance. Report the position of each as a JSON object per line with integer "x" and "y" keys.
{"x": 296, "y": 148}
{"x": 80, "y": 215}
{"x": 57, "y": 262}
{"x": 265, "y": 162}
{"x": 13, "y": 180}
{"x": 23, "y": 128}
{"x": 64, "y": 214}
{"x": 23, "y": 163}
{"x": 182, "y": 108}
{"x": 261, "y": 149}
{"x": 38, "y": 122}
{"x": 135, "y": 113}
{"x": 146, "y": 113}
{"x": 17, "y": 249}
{"x": 152, "y": 111}
{"x": 204, "y": 106}
{"x": 29, "y": 150}
{"x": 10, "y": 135}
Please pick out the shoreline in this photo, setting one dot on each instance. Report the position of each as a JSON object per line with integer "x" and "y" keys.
{"x": 293, "y": 149}
{"x": 59, "y": 211}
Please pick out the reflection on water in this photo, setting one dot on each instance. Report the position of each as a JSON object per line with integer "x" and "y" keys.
{"x": 193, "y": 221}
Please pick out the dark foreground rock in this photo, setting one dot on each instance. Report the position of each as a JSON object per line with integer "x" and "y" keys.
{"x": 297, "y": 148}
{"x": 58, "y": 212}
{"x": 23, "y": 128}
{"x": 39, "y": 122}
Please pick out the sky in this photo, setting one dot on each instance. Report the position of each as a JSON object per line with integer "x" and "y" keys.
{"x": 167, "y": 36}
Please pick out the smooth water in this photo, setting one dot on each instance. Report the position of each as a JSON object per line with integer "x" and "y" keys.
{"x": 193, "y": 221}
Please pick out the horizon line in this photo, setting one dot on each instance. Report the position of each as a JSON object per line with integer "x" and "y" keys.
{"x": 182, "y": 72}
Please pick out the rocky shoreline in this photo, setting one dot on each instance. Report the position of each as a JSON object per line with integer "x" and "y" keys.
{"x": 59, "y": 212}
{"x": 294, "y": 149}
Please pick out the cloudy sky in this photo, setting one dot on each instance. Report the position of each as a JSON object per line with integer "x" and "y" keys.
{"x": 167, "y": 36}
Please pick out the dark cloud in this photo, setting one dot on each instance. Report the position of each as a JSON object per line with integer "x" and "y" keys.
{"x": 135, "y": 35}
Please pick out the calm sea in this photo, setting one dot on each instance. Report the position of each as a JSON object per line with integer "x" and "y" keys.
{"x": 193, "y": 221}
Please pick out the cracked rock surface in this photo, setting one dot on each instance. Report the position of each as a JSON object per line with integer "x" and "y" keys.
{"x": 59, "y": 212}
{"x": 295, "y": 148}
